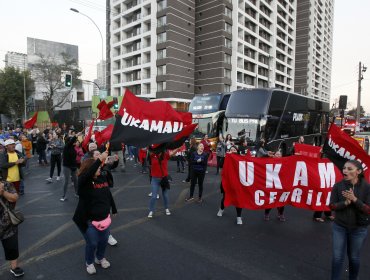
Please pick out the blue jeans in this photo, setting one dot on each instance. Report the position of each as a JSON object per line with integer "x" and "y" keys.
{"x": 350, "y": 241}
{"x": 96, "y": 240}
{"x": 155, "y": 190}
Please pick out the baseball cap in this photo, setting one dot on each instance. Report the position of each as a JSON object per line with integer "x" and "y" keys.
{"x": 9, "y": 142}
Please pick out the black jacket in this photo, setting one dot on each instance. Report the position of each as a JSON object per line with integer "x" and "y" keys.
{"x": 355, "y": 214}
{"x": 5, "y": 164}
{"x": 94, "y": 202}
{"x": 69, "y": 153}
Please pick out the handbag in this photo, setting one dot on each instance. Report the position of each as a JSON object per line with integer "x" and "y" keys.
{"x": 103, "y": 224}
{"x": 164, "y": 183}
{"x": 16, "y": 217}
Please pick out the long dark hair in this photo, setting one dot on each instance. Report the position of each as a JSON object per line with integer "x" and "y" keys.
{"x": 85, "y": 165}
{"x": 359, "y": 166}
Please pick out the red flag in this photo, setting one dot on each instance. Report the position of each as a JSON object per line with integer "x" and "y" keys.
{"x": 104, "y": 135}
{"x": 31, "y": 122}
{"x": 339, "y": 147}
{"x": 142, "y": 123}
{"x": 88, "y": 136}
{"x": 104, "y": 110}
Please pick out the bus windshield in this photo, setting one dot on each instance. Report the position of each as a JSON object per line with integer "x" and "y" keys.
{"x": 205, "y": 126}
{"x": 205, "y": 104}
{"x": 241, "y": 128}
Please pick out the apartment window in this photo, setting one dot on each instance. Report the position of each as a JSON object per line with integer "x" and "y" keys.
{"x": 162, "y": 21}
{"x": 228, "y": 27}
{"x": 228, "y": 43}
{"x": 161, "y": 53}
{"x": 161, "y": 70}
{"x": 162, "y": 4}
{"x": 161, "y": 37}
{"x": 227, "y": 73}
{"x": 161, "y": 86}
{"x": 228, "y": 12}
{"x": 227, "y": 88}
{"x": 227, "y": 58}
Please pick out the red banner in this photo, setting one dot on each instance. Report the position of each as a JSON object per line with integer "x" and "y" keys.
{"x": 260, "y": 183}
{"x": 307, "y": 150}
{"x": 31, "y": 122}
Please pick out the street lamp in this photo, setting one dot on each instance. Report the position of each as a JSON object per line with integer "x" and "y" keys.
{"x": 101, "y": 36}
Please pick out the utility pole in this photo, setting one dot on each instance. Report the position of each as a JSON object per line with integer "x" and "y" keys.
{"x": 361, "y": 69}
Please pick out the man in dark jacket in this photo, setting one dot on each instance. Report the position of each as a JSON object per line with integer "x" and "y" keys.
{"x": 11, "y": 163}
{"x": 69, "y": 165}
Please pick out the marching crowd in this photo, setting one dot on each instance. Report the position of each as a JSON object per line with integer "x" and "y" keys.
{"x": 89, "y": 168}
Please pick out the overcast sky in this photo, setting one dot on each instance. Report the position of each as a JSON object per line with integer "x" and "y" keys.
{"x": 52, "y": 20}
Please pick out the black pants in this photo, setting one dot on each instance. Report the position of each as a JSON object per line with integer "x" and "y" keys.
{"x": 220, "y": 163}
{"x": 10, "y": 246}
{"x": 180, "y": 161}
{"x": 189, "y": 173}
{"x": 55, "y": 159}
{"x": 318, "y": 214}
{"x": 42, "y": 156}
{"x": 197, "y": 176}
{"x": 222, "y": 207}
{"x": 34, "y": 145}
{"x": 280, "y": 210}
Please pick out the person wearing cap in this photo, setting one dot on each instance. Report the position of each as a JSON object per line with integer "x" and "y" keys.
{"x": 11, "y": 163}
{"x": 56, "y": 146}
{"x": 91, "y": 148}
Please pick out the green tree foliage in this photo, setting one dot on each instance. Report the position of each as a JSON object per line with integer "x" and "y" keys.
{"x": 48, "y": 73}
{"x": 353, "y": 112}
{"x": 12, "y": 91}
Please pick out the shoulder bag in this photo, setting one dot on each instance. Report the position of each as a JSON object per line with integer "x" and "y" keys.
{"x": 16, "y": 217}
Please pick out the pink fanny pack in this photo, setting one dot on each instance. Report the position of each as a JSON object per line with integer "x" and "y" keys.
{"x": 103, "y": 224}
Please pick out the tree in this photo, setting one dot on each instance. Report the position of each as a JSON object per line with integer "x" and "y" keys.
{"x": 353, "y": 112}
{"x": 48, "y": 73}
{"x": 12, "y": 91}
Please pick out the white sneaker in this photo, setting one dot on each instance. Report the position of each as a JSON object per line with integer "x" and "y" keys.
{"x": 63, "y": 199}
{"x": 168, "y": 212}
{"x": 220, "y": 212}
{"x": 103, "y": 262}
{"x": 157, "y": 196}
{"x": 150, "y": 215}
{"x": 150, "y": 194}
{"x": 58, "y": 178}
{"x": 112, "y": 241}
{"x": 90, "y": 268}
{"x": 50, "y": 180}
{"x": 239, "y": 221}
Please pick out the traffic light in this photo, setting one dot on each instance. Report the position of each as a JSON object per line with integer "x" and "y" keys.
{"x": 115, "y": 106}
{"x": 68, "y": 80}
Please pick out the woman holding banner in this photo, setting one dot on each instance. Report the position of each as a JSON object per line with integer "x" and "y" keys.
{"x": 232, "y": 150}
{"x": 280, "y": 210}
{"x": 350, "y": 199}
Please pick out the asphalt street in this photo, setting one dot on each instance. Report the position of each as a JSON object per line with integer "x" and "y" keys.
{"x": 193, "y": 243}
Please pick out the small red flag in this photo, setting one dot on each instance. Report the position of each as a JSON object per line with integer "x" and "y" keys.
{"x": 88, "y": 136}
{"x": 31, "y": 122}
{"x": 104, "y": 135}
{"x": 104, "y": 110}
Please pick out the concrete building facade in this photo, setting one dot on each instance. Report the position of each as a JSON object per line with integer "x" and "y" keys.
{"x": 314, "y": 48}
{"x": 175, "y": 49}
{"x": 16, "y": 60}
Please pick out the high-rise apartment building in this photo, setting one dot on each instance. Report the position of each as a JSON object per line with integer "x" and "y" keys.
{"x": 175, "y": 49}
{"x": 101, "y": 75}
{"x": 16, "y": 60}
{"x": 314, "y": 48}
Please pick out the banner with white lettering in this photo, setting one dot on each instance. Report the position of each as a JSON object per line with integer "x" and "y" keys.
{"x": 339, "y": 147}
{"x": 260, "y": 183}
{"x": 142, "y": 123}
